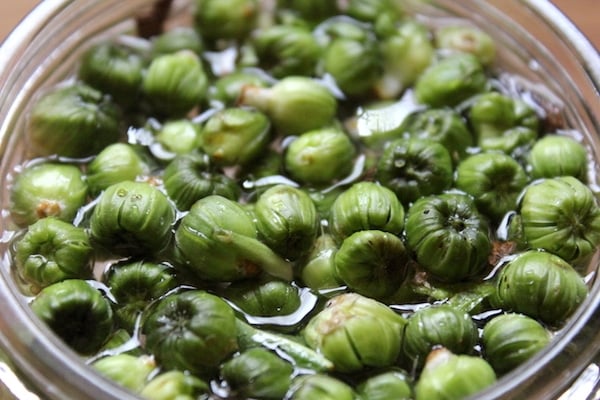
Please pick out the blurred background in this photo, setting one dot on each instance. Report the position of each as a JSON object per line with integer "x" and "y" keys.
{"x": 584, "y": 13}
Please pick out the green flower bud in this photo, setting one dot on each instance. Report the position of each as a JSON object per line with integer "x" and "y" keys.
{"x": 175, "y": 83}
{"x": 451, "y": 80}
{"x": 73, "y": 121}
{"x": 556, "y": 155}
{"x": 448, "y": 236}
{"x": 540, "y": 285}
{"x": 134, "y": 286}
{"x": 178, "y": 136}
{"x": 76, "y": 312}
{"x": 511, "y": 339}
{"x": 312, "y": 11}
{"x": 217, "y": 240}
{"x": 174, "y": 385}
{"x": 51, "y": 251}
{"x": 561, "y": 215}
{"x": 493, "y": 113}
{"x": 47, "y": 190}
{"x": 355, "y": 65}
{"x": 285, "y": 50}
{"x": 126, "y": 370}
{"x": 438, "y": 325}
{"x": 320, "y": 156}
{"x": 318, "y": 273}
{"x": 447, "y": 376}
{"x": 366, "y": 205}
{"x": 118, "y": 162}
{"x": 287, "y": 220}
{"x": 177, "y": 39}
{"x": 264, "y": 298}
{"x": 132, "y": 218}
{"x": 413, "y": 168}
{"x": 290, "y": 347}
{"x": 495, "y": 181}
{"x": 370, "y": 10}
{"x": 289, "y": 101}
{"x": 228, "y": 88}
{"x": 387, "y": 385}
{"x": 225, "y": 19}
{"x": 318, "y": 386}
{"x": 191, "y": 331}
{"x": 258, "y": 373}
{"x": 113, "y": 69}
{"x": 467, "y": 39}
{"x": 356, "y": 332}
{"x": 442, "y": 125}
{"x": 190, "y": 177}
{"x": 407, "y": 51}
{"x": 513, "y": 141}
{"x": 372, "y": 263}
{"x": 236, "y": 135}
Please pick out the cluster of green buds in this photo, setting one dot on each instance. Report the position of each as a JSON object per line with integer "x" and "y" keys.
{"x": 301, "y": 199}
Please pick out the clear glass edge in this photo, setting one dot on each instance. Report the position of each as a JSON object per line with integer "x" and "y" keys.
{"x": 543, "y": 8}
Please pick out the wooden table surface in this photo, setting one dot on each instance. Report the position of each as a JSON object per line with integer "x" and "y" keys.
{"x": 584, "y": 13}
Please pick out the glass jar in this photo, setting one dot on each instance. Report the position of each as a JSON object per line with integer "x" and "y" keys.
{"x": 543, "y": 50}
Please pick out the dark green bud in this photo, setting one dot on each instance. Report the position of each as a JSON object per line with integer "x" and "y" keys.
{"x": 495, "y": 180}
{"x": 511, "y": 339}
{"x": 113, "y": 69}
{"x": 467, "y": 39}
{"x": 561, "y": 215}
{"x": 51, "y": 251}
{"x": 442, "y": 125}
{"x": 287, "y": 220}
{"x": 73, "y": 121}
{"x": 134, "y": 286}
{"x": 320, "y": 156}
{"x": 407, "y": 51}
{"x": 77, "y": 313}
{"x": 178, "y": 136}
{"x": 132, "y": 218}
{"x": 355, "y": 332}
{"x": 190, "y": 177}
{"x": 236, "y": 136}
{"x": 435, "y": 326}
{"x": 372, "y": 263}
{"x": 264, "y": 298}
{"x": 118, "y": 162}
{"x": 413, "y": 168}
{"x": 451, "y": 80}
{"x": 290, "y": 100}
{"x": 225, "y": 19}
{"x": 177, "y": 39}
{"x": 258, "y": 373}
{"x": 447, "y": 376}
{"x": 387, "y": 385}
{"x": 366, "y": 205}
{"x": 175, "y": 83}
{"x": 217, "y": 240}
{"x": 542, "y": 286}
{"x": 285, "y": 50}
{"x": 188, "y": 324}
{"x": 318, "y": 386}
{"x": 126, "y": 370}
{"x": 448, "y": 236}
{"x": 47, "y": 190}
{"x": 174, "y": 385}
{"x": 556, "y": 155}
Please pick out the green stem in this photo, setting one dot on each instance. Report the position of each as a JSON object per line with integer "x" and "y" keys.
{"x": 258, "y": 253}
{"x": 301, "y": 355}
